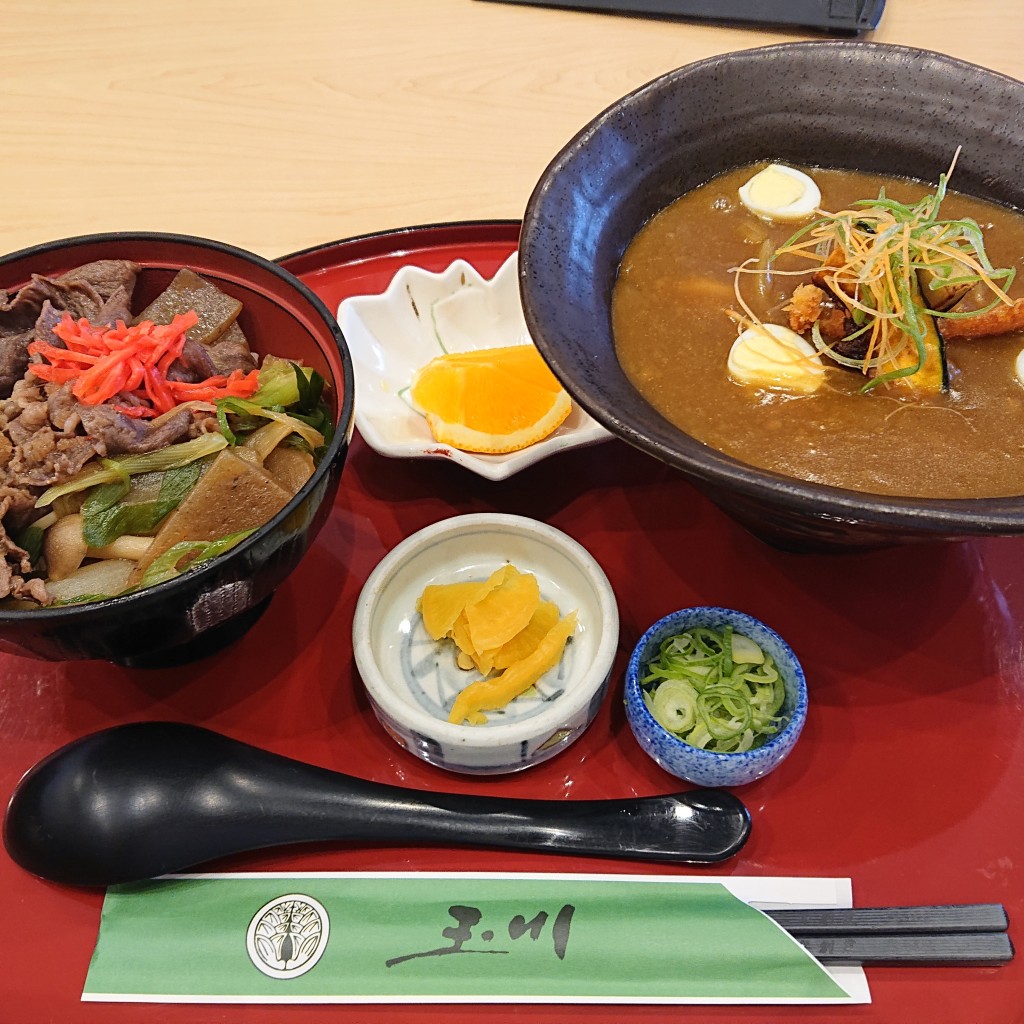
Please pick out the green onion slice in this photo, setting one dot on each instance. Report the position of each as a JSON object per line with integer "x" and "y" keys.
{"x": 717, "y": 690}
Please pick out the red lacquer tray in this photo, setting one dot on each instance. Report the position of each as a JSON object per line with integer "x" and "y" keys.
{"x": 908, "y": 777}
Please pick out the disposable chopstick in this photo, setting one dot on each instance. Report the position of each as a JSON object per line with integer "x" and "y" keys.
{"x": 965, "y": 949}
{"x": 959, "y": 935}
{"x": 956, "y": 918}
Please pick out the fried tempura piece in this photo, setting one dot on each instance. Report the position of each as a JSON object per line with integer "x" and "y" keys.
{"x": 1001, "y": 320}
{"x": 805, "y": 307}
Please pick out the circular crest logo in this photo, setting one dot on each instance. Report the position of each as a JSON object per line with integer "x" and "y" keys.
{"x": 288, "y": 935}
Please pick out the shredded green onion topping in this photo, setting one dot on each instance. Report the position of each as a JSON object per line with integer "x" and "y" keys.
{"x": 880, "y": 255}
{"x": 715, "y": 690}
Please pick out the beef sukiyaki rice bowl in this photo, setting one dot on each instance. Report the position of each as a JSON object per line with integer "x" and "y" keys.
{"x": 174, "y": 416}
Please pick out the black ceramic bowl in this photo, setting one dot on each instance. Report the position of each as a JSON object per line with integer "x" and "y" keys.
{"x": 203, "y": 609}
{"x": 853, "y": 105}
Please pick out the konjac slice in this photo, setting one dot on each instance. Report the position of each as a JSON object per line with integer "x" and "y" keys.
{"x": 216, "y": 312}
{"x": 232, "y": 495}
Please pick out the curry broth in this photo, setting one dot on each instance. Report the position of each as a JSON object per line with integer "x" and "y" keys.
{"x": 672, "y": 338}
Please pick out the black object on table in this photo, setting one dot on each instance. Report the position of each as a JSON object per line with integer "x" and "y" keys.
{"x": 150, "y": 798}
{"x": 965, "y": 935}
{"x": 840, "y": 17}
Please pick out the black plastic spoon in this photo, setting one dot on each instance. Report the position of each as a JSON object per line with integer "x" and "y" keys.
{"x": 156, "y": 797}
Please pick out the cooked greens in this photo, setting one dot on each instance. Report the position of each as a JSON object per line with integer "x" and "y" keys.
{"x": 113, "y": 509}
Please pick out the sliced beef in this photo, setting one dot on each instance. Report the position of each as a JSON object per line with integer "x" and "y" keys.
{"x": 27, "y": 422}
{"x": 203, "y": 423}
{"x": 15, "y": 563}
{"x": 19, "y": 501}
{"x": 23, "y": 394}
{"x": 48, "y": 459}
{"x": 231, "y": 351}
{"x": 49, "y": 317}
{"x": 117, "y": 434}
{"x": 26, "y": 590}
{"x": 95, "y": 290}
{"x": 105, "y": 276}
{"x": 13, "y": 356}
{"x": 194, "y": 364}
{"x": 36, "y": 455}
{"x": 63, "y": 408}
{"x": 78, "y": 298}
{"x": 115, "y": 307}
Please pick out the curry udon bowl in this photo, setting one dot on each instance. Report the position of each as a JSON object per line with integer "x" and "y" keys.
{"x": 862, "y": 106}
{"x": 205, "y": 608}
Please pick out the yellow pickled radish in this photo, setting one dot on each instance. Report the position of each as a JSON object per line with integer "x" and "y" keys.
{"x": 500, "y": 624}
{"x": 504, "y": 611}
{"x": 441, "y": 604}
{"x": 496, "y": 692}
{"x": 528, "y": 638}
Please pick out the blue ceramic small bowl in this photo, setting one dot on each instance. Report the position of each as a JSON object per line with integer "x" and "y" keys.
{"x": 705, "y": 767}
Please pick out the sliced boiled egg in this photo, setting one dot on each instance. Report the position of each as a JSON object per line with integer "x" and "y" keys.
{"x": 1019, "y": 366}
{"x": 781, "y": 193}
{"x": 773, "y": 356}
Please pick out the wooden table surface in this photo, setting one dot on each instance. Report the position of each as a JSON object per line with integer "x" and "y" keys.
{"x": 277, "y": 126}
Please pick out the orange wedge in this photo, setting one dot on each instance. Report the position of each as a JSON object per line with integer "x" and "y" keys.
{"x": 492, "y": 400}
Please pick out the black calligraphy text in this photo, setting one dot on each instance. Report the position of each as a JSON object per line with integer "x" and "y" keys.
{"x": 467, "y": 918}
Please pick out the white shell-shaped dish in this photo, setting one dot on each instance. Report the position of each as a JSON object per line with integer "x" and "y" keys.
{"x": 412, "y": 680}
{"x": 423, "y": 315}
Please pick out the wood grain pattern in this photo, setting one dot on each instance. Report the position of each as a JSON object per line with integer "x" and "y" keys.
{"x": 278, "y": 126}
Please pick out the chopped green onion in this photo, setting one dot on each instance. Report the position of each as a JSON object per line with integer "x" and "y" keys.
{"x": 284, "y": 383}
{"x": 717, "y": 690}
{"x": 278, "y": 386}
{"x": 313, "y": 437}
{"x": 267, "y": 438}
